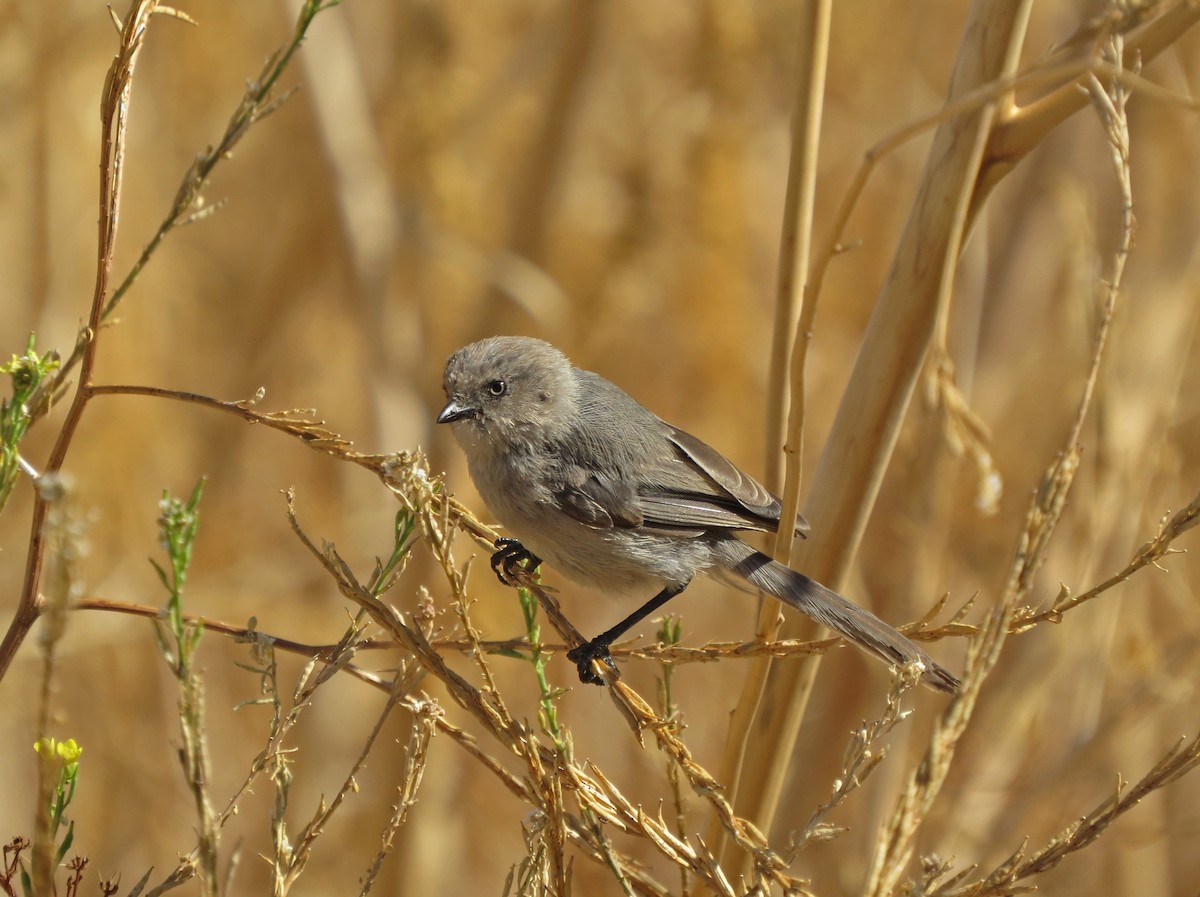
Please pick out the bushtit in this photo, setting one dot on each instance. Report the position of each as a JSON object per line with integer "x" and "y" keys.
{"x": 618, "y": 499}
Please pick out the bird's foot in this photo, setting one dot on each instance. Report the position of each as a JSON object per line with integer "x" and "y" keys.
{"x": 507, "y": 560}
{"x": 596, "y": 649}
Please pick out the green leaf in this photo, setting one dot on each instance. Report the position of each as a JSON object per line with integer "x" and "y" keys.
{"x": 162, "y": 575}
{"x": 67, "y": 841}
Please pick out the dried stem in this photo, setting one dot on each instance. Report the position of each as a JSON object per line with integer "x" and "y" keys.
{"x": 789, "y": 350}
{"x": 869, "y": 417}
{"x": 114, "y": 113}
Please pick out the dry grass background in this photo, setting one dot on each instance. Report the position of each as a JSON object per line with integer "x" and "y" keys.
{"x": 609, "y": 176}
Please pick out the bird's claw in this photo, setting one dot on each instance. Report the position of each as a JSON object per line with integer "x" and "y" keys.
{"x": 584, "y": 654}
{"x": 507, "y": 563}
{"x": 507, "y": 560}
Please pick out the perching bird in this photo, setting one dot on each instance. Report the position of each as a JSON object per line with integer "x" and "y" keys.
{"x": 615, "y": 498}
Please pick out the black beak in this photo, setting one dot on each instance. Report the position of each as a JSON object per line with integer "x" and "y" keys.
{"x": 455, "y": 410}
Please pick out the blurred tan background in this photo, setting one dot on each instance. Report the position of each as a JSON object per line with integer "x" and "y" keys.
{"x": 609, "y": 176}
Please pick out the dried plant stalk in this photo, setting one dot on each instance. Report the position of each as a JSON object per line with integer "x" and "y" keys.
{"x": 854, "y": 459}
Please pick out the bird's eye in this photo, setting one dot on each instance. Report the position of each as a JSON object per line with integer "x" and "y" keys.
{"x": 497, "y": 388}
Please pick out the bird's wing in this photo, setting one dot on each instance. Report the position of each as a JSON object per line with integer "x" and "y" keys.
{"x": 679, "y": 511}
{"x": 701, "y": 487}
{"x": 725, "y": 475}
{"x": 624, "y": 467}
{"x": 599, "y": 501}
{"x": 689, "y": 489}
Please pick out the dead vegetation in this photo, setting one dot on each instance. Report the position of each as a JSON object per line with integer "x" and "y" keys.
{"x": 983, "y": 320}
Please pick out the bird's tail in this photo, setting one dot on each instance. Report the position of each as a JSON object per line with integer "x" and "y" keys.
{"x": 830, "y": 609}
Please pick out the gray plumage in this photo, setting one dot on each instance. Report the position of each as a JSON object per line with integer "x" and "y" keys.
{"x": 617, "y": 499}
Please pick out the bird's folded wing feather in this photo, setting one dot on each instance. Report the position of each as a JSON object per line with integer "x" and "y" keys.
{"x": 726, "y": 476}
{"x": 704, "y": 488}
{"x": 597, "y": 501}
{"x": 686, "y": 490}
{"x": 688, "y": 511}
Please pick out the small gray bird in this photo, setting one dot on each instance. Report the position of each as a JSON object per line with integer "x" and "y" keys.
{"x": 618, "y": 499}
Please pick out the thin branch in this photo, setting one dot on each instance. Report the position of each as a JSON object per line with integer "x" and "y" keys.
{"x": 1179, "y": 760}
{"x": 114, "y": 113}
{"x": 187, "y": 206}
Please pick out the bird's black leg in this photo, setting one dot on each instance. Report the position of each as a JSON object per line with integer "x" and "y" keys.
{"x": 509, "y": 554}
{"x": 598, "y": 648}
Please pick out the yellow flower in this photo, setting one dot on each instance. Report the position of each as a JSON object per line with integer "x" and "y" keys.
{"x": 67, "y": 751}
